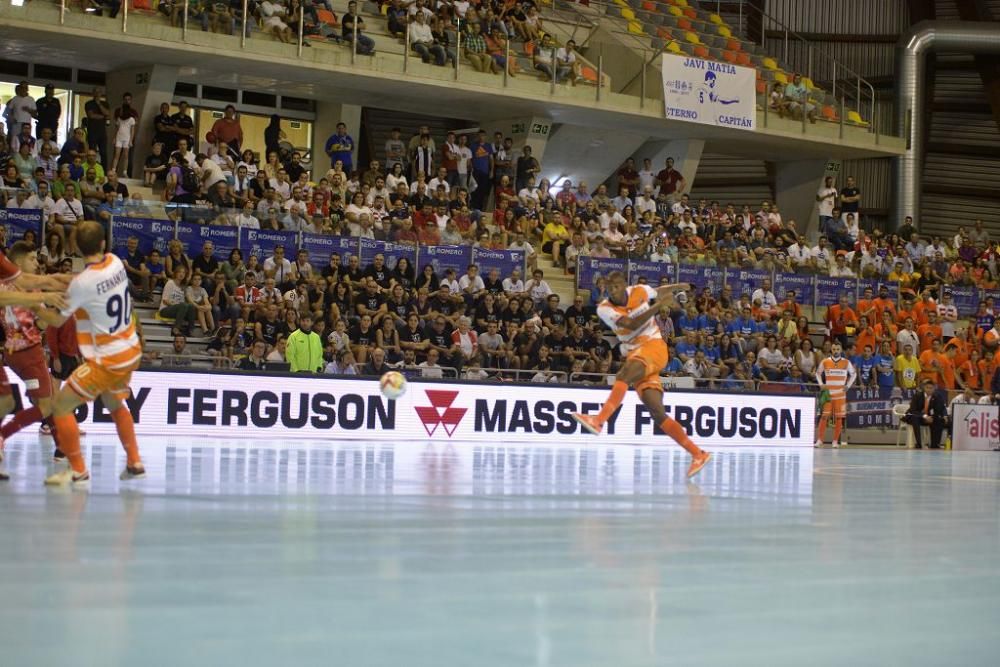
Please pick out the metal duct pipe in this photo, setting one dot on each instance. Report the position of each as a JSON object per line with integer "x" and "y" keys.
{"x": 953, "y": 36}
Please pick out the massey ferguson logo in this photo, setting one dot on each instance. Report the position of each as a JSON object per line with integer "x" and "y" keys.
{"x": 440, "y": 412}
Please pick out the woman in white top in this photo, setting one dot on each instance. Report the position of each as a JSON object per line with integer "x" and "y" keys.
{"x": 395, "y": 178}
{"x": 356, "y": 208}
{"x": 174, "y": 304}
{"x": 614, "y": 239}
{"x": 124, "y": 138}
{"x": 196, "y": 295}
{"x": 52, "y": 252}
{"x": 772, "y": 361}
{"x": 806, "y": 358}
{"x": 250, "y": 162}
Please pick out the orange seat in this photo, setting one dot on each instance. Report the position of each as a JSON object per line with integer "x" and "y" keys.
{"x": 729, "y": 57}
{"x": 733, "y": 44}
{"x": 664, "y": 33}
{"x": 761, "y": 86}
{"x": 326, "y": 16}
{"x": 701, "y": 52}
{"x": 648, "y": 5}
{"x": 829, "y": 113}
{"x": 743, "y": 58}
{"x": 690, "y": 13}
{"x": 588, "y": 73}
{"x": 684, "y": 24}
{"x": 529, "y": 49}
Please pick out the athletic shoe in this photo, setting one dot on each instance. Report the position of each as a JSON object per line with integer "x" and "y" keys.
{"x": 818, "y": 444}
{"x": 44, "y": 429}
{"x": 697, "y": 463}
{"x": 133, "y": 472}
{"x": 58, "y": 456}
{"x": 4, "y": 475}
{"x": 589, "y": 422}
{"x": 836, "y": 444}
{"x": 68, "y": 476}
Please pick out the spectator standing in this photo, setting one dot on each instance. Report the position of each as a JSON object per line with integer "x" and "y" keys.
{"x": 19, "y": 110}
{"x": 97, "y": 116}
{"x": 670, "y": 180}
{"x": 827, "y": 198}
{"x": 482, "y": 170}
{"x": 850, "y": 200}
{"x": 49, "y": 110}
{"x": 304, "y": 351}
{"x": 229, "y": 131}
{"x": 340, "y": 146}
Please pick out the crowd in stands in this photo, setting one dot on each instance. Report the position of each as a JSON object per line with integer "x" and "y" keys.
{"x": 478, "y": 190}
{"x": 488, "y": 36}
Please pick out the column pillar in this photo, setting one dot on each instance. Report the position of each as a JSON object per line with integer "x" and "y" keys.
{"x": 795, "y": 186}
{"x": 150, "y": 86}
{"x": 328, "y": 114}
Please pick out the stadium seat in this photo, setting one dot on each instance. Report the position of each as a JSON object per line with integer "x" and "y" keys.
{"x": 733, "y": 44}
{"x": 673, "y": 47}
{"x": 664, "y": 33}
{"x": 808, "y": 83}
{"x": 743, "y": 58}
{"x": 761, "y": 87}
{"x": 829, "y": 113}
{"x": 690, "y": 13}
{"x": 326, "y": 16}
{"x": 635, "y": 28}
{"x": 691, "y": 38}
{"x": 627, "y": 14}
{"x": 588, "y": 73}
{"x": 715, "y": 18}
{"x": 680, "y": 3}
{"x": 729, "y": 57}
{"x": 769, "y": 63}
{"x": 855, "y": 118}
{"x": 701, "y": 52}
{"x": 676, "y": 11}
{"x": 725, "y": 31}
{"x": 649, "y": 6}
{"x": 780, "y": 77}
{"x": 684, "y": 24}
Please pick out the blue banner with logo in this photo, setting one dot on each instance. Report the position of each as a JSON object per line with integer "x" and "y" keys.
{"x": 745, "y": 281}
{"x": 17, "y": 221}
{"x": 966, "y": 299}
{"x": 701, "y": 277}
{"x": 872, "y": 406}
{"x": 193, "y": 236}
{"x": 391, "y": 251}
{"x": 875, "y": 286}
{"x": 321, "y": 246}
{"x": 803, "y": 286}
{"x": 589, "y": 269}
{"x": 262, "y": 243}
{"x": 150, "y": 234}
{"x": 828, "y": 290}
{"x": 504, "y": 261}
{"x": 651, "y": 271}
{"x": 444, "y": 257}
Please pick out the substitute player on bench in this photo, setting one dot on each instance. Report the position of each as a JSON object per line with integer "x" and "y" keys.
{"x": 99, "y": 298}
{"x": 629, "y": 313}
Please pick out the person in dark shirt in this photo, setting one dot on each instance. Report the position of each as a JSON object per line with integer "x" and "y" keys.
{"x": 559, "y": 346}
{"x": 294, "y": 167}
{"x": 493, "y": 282}
{"x": 579, "y": 314}
{"x": 362, "y": 337}
{"x": 49, "y": 110}
{"x": 268, "y": 328}
{"x": 183, "y": 124}
{"x": 97, "y": 113}
{"x": 378, "y": 271}
{"x": 446, "y": 306}
{"x": 207, "y": 266}
{"x": 552, "y": 315}
{"x": 163, "y": 130}
{"x": 255, "y": 360}
{"x": 371, "y": 302}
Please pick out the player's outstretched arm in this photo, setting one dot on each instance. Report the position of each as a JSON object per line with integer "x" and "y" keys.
{"x": 32, "y": 299}
{"x": 49, "y": 317}
{"x": 55, "y": 281}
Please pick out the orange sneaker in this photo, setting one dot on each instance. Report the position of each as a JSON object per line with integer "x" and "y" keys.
{"x": 590, "y": 423}
{"x": 697, "y": 463}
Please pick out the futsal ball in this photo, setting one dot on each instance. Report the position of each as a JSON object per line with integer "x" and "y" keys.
{"x": 393, "y": 385}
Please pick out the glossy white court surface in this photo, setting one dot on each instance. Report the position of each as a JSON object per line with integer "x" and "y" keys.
{"x": 251, "y": 552}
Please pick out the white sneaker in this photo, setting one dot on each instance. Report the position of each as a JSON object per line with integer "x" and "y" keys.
{"x": 68, "y": 476}
{"x": 836, "y": 444}
{"x": 819, "y": 444}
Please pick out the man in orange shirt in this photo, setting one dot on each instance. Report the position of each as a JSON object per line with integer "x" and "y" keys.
{"x": 906, "y": 310}
{"x": 884, "y": 303}
{"x": 929, "y": 332}
{"x": 937, "y": 366}
{"x": 865, "y": 335}
{"x": 992, "y": 337}
{"x": 790, "y": 304}
{"x": 866, "y": 306}
{"x": 886, "y": 331}
{"x": 972, "y": 373}
{"x": 926, "y": 306}
{"x": 839, "y": 317}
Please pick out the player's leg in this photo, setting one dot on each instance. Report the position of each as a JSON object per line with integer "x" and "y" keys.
{"x": 650, "y": 390}
{"x": 839, "y": 416}
{"x": 631, "y": 372}
{"x": 31, "y": 368}
{"x": 115, "y": 403}
{"x": 824, "y": 417}
{"x": 71, "y": 396}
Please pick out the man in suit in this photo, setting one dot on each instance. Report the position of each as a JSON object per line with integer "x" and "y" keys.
{"x": 927, "y": 408}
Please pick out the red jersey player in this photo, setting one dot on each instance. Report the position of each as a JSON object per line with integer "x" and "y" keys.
{"x": 11, "y": 280}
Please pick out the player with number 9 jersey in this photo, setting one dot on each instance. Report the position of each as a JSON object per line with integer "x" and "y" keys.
{"x": 105, "y": 330}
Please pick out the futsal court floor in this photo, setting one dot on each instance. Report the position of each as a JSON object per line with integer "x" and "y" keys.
{"x": 253, "y": 552}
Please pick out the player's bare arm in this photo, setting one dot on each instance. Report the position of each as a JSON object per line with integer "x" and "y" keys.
{"x": 32, "y": 299}
{"x": 55, "y": 281}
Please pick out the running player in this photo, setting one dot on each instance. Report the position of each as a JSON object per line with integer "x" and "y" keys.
{"x": 628, "y": 312}
{"x": 23, "y": 351}
{"x": 99, "y": 297}
{"x": 835, "y": 374}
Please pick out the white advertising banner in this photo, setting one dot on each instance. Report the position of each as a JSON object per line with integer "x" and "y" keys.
{"x": 976, "y": 427}
{"x": 709, "y": 92}
{"x": 240, "y": 405}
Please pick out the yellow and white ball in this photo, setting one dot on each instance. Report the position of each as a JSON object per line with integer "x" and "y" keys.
{"x": 393, "y": 385}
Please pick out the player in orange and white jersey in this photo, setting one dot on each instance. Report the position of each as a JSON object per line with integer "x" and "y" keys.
{"x": 836, "y": 375}
{"x": 629, "y": 313}
{"x": 99, "y": 298}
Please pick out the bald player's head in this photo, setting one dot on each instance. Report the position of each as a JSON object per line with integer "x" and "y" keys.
{"x": 90, "y": 238}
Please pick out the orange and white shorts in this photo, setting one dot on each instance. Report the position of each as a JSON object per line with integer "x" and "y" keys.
{"x": 654, "y": 355}
{"x": 837, "y": 406}
{"x": 90, "y": 380}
